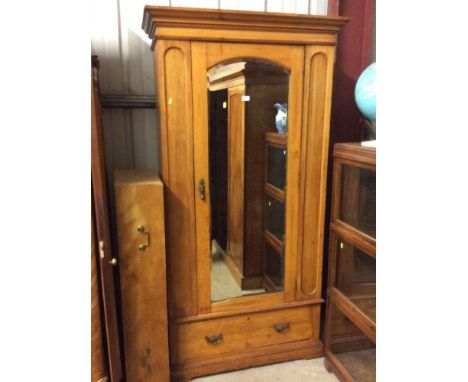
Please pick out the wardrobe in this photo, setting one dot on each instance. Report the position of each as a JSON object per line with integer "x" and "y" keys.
{"x": 244, "y": 198}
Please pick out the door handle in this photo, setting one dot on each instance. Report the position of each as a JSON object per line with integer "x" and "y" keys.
{"x": 201, "y": 188}
{"x": 141, "y": 229}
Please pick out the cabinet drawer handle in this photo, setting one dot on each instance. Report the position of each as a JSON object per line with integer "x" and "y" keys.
{"x": 282, "y": 328}
{"x": 214, "y": 340}
{"x": 141, "y": 229}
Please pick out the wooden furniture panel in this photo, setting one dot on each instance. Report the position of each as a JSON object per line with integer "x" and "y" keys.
{"x": 237, "y": 26}
{"x": 235, "y": 194}
{"x": 350, "y": 335}
{"x": 317, "y": 104}
{"x": 201, "y": 172}
{"x": 240, "y": 333}
{"x": 98, "y": 353}
{"x": 140, "y": 222}
{"x": 100, "y": 210}
{"x": 175, "y": 89}
{"x": 248, "y": 358}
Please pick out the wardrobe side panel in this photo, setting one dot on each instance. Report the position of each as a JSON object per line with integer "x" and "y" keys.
{"x": 139, "y": 203}
{"x": 173, "y": 68}
{"x": 315, "y": 138}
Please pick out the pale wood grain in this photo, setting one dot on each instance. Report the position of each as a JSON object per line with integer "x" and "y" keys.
{"x": 140, "y": 202}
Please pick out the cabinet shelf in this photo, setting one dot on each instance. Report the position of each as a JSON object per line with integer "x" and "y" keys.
{"x": 273, "y": 241}
{"x": 274, "y": 192}
{"x": 360, "y": 310}
{"x": 277, "y": 139}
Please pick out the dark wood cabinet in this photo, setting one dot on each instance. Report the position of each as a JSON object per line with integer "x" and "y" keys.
{"x": 350, "y": 336}
{"x": 274, "y": 189}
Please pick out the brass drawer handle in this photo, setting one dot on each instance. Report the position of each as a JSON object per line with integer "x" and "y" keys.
{"x": 282, "y": 328}
{"x": 142, "y": 230}
{"x": 214, "y": 340}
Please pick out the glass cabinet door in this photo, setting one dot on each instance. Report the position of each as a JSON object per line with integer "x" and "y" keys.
{"x": 276, "y": 166}
{"x": 355, "y": 276}
{"x": 357, "y": 199}
{"x": 350, "y": 346}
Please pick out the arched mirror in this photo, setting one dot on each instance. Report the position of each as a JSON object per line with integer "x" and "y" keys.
{"x": 248, "y": 150}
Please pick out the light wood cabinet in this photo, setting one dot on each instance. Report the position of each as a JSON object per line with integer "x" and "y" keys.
{"x": 350, "y": 334}
{"x": 142, "y": 268}
{"x": 216, "y": 187}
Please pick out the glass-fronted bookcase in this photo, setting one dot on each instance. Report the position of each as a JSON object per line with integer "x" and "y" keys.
{"x": 350, "y": 334}
{"x": 275, "y": 196}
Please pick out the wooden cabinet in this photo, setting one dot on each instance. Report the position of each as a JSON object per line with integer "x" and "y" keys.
{"x": 140, "y": 227}
{"x": 350, "y": 335}
{"x": 231, "y": 302}
{"x": 274, "y": 191}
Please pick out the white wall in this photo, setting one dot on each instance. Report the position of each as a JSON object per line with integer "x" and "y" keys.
{"x": 131, "y": 136}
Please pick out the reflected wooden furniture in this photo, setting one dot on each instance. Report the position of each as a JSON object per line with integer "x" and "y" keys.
{"x": 275, "y": 196}
{"x": 263, "y": 84}
{"x": 209, "y": 337}
{"x": 142, "y": 258}
{"x": 350, "y": 335}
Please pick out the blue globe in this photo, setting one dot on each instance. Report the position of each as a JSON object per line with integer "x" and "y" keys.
{"x": 364, "y": 93}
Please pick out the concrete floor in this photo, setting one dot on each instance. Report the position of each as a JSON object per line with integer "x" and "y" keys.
{"x": 223, "y": 284}
{"x": 311, "y": 370}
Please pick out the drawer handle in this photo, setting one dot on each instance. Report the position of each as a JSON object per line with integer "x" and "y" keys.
{"x": 141, "y": 229}
{"x": 282, "y": 328}
{"x": 214, "y": 340}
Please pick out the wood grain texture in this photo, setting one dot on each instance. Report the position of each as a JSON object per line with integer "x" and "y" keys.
{"x": 351, "y": 316}
{"x": 353, "y": 313}
{"x": 98, "y": 352}
{"x": 248, "y": 308}
{"x": 241, "y": 332}
{"x": 249, "y": 358}
{"x": 175, "y": 86}
{"x": 355, "y": 152}
{"x": 230, "y": 25}
{"x": 101, "y": 215}
{"x": 205, "y": 41}
{"x": 201, "y": 172}
{"x": 140, "y": 202}
{"x": 317, "y": 104}
{"x": 236, "y": 175}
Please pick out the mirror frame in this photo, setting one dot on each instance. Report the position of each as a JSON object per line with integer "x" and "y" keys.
{"x": 205, "y": 56}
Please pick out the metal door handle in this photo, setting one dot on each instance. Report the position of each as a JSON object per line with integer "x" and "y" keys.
{"x": 201, "y": 187}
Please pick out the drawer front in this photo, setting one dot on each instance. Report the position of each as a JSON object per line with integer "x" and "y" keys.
{"x": 207, "y": 339}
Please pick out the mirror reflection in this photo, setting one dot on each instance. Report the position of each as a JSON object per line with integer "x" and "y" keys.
{"x": 248, "y": 107}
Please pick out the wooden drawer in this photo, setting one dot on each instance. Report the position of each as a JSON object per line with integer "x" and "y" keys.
{"x": 191, "y": 341}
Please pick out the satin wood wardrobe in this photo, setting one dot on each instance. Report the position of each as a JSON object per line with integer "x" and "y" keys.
{"x": 244, "y": 289}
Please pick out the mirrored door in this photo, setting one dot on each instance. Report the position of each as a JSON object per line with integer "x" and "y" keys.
{"x": 244, "y": 188}
{"x": 248, "y": 108}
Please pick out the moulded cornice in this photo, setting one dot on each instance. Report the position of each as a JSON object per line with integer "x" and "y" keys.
{"x": 228, "y": 25}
